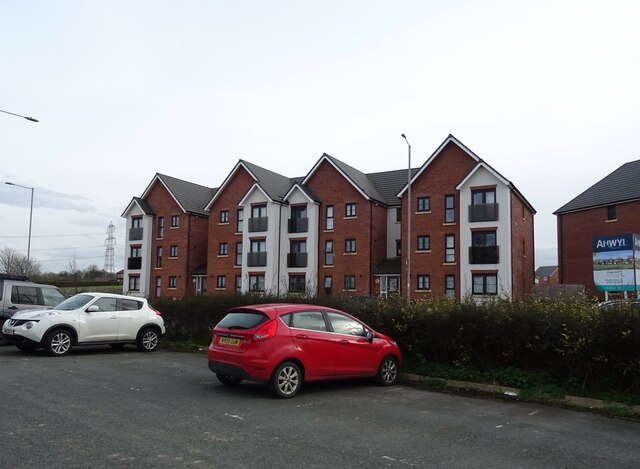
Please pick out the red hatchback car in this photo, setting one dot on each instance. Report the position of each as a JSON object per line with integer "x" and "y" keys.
{"x": 286, "y": 344}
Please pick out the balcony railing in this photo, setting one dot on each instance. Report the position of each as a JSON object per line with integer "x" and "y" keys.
{"x": 483, "y": 212}
{"x": 134, "y": 263}
{"x": 298, "y": 225}
{"x": 135, "y": 234}
{"x": 297, "y": 259}
{"x": 484, "y": 254}
{"x": 258, "y": 224}
{"x": 256, "y": 259}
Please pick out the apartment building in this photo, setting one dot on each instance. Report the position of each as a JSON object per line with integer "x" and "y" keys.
{"x": 340, "y": 231}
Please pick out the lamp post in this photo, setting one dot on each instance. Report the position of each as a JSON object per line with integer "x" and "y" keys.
{"x": 408, "y": 222}
{"x": 30, "y": 215}
{"x": 18, "y": 115}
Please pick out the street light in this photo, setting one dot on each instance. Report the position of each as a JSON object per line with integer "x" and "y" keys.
{"x": 408, "y": 222}
{"x": 18, "y": 115}
{"x": 30, "y": 214}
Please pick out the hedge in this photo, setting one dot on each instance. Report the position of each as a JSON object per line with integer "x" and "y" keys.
{"x": 571, "y": 340}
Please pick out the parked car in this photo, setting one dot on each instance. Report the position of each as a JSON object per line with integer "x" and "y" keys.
{"x": 17, "y": 293}
{"x": 286, "y": 344}
{"x": 87, "y": 319}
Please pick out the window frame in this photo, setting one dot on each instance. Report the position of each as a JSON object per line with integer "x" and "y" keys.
{"x": 423, "y": 282}
{"x": 449, "y": 208}
{"x": 350, "y": 210}
{"x": 224, "y": 217}
{"x": 423, "y": 204}
{"x": 423, "y": 243}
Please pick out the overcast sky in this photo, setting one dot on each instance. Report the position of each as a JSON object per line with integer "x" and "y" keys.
{"x": 545, "y": 91}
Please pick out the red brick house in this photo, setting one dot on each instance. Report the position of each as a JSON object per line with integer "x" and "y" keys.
{"x": 166, "y": 242}
{"x": 610, "y": 207}
{"x": 340, "y": 231}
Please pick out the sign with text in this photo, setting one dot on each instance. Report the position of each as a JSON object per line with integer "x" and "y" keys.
{"x": 614, "y": 262}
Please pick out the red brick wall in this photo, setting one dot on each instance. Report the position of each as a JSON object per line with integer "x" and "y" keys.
{"x": 522, "y": 248}
{"x": 333, "y": 189}
{"x": 190, "y": 238}
{"x": 575, "y": 235}
{"x": 442, "y": 176}
{"x": 234, "y": 191}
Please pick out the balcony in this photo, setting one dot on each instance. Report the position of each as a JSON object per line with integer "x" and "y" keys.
{"x": 484, "y": 254}
{"x": 298, "y": 225}
{"x": 483, "y": 212}
{"x": 134, "y": 263}
{"x": 297, "y": 259}
{"x": 258, "y": 224}
{"x": 135, "y": 234}
{"x": 256, "y": 259}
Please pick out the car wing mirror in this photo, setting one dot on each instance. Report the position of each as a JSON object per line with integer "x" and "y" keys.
{"x": 93, "y": 309}
{"x": 370, "y": 336}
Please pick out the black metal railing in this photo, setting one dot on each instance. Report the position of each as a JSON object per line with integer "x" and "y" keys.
{"x": 134, "y": 263}
{"x": 484, "y": 254}
{"x": 258, "y": 224}
{"x": 298, "y": 225}
{"x": 483, "y": 212}
{"x": 297, "y": 259}
{"x": 135, "y": 234}
{"x": 256, "y": 259}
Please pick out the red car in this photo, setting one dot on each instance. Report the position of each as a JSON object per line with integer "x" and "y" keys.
{"x": 286, "y": 344}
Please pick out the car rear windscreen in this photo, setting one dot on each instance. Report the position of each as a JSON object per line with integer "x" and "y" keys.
{"x": 243, "y": 320}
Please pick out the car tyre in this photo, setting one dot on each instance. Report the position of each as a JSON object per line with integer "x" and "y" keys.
{"x": 286, "y": 380}
{"x": 148, "y": 340}
{"x": 228, "y": 380}
{"x": 58, "y": 342}
{"x": 387, "y": 371}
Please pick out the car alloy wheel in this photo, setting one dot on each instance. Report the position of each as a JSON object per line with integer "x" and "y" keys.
{"x": 286, "y": 380}
{"x": 388, "y": 371}
{"x": 58, "y": 342}
{"x": 148, "y": 340}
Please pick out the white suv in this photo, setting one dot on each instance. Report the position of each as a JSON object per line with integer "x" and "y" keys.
{"x": 87, "y": 319}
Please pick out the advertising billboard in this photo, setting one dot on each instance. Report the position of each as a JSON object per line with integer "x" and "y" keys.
{"x": 616, "y": 259}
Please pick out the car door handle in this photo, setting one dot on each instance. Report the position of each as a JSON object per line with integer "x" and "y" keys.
{"x": 302, "y": 336}
{"x": 12, "y": 307}
{"x": 113, "y": 317}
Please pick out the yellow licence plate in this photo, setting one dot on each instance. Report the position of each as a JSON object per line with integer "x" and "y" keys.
{"x": 229, "y": 341}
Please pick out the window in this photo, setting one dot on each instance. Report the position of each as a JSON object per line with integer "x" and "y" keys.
{"x": 329, "y": 225}
{"x": 611, "y": 212}
{"x": 136, "y": 251}
{"x": 299, "y": 211}
{"x": 449, "y": 209}
{"x": 238, "y": 283}
{"x": 136, "y": 222}
{"x": 173, "y": 281}
{"x": 483, "y": 196}
{"x": 256, "y": 283}
{"x": 350, "y": 246}
{"x": 450, "y": 286}
{"x": 51, "y": 296}
{"x": 298, "y": 246}
{"x": 483, "y": 238}
{"x": 483, "y": 205}
{"x": 399, "y": 214}
{"x": 238, "y": 253}
{"x": 449, "y": 248}
{"x": 134, "y": 283}
{"x": 223, "y": 249}
{"x": 328, "y": 284}
{"x": 309, "y": 320}
{"x": 297, "y": 284}
{"x": 485, "y": 284}
{"x": 298, "y": 223}
{"x": 297, "y": 256}
{"x": 23, "y": 295}
{"x": 349, "y": 282}
{"x": 259, "y": 220}
{"x": 258, "y": 245}
{"x": 328, "y": 252}
{"x": 258, "y": 211}
{"x": 240, "y": 221}
{"x": 175, "y": 221}
{"x": 398, "y": 247}
{"x": 224, "y": 216}
{"x": 159, "y": 257}
{"x": 173, "y": 251}
{"x": 107, "y": 304}
{"x": 158, "y": 286}
{"x": 424, "y": 282}
{"x": 483, "y": 249}
{"x": 424, "y": 204}
{"x": 160, "y": 227}
{"x": 221, "y": 281}
{"x": 424, "y": 243}
{"x": 350, "y": 210}
{"x": 342, "y": 324}
{"x": 257, "y": 256}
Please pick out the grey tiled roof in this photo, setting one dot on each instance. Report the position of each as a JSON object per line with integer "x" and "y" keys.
{"x": 620, "y": 186}
{"x": 389, "y": 183}
{"x": 359, "y": 178}
{"x": 546, "y": 270}
{"x": 274, "y": 184}
{"x": 192, "y": 197}
{"x": 144, "y": 206}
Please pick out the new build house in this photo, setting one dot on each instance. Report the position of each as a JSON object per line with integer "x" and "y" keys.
{"x": 335, "y": 230}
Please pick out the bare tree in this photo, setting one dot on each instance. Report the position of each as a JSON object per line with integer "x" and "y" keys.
{"x": 13, "y": 262}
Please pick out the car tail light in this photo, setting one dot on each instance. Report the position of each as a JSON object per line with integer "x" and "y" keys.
{"x": 267, "y": 330}
{"x": 155, "y": 311}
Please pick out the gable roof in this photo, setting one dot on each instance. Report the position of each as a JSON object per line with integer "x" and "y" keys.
{"x": 389, "y": 183}
{"x": 546, "y": 270}
{"x": 142, "y": 204}
{"x": 619, "y": 186}
{"x": 190, "y": 197}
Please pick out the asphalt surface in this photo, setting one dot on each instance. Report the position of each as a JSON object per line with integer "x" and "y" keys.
{"x": 102, "y": 408}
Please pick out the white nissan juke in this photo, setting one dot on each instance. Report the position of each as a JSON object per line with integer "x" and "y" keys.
{"x": 87, "y": 319}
